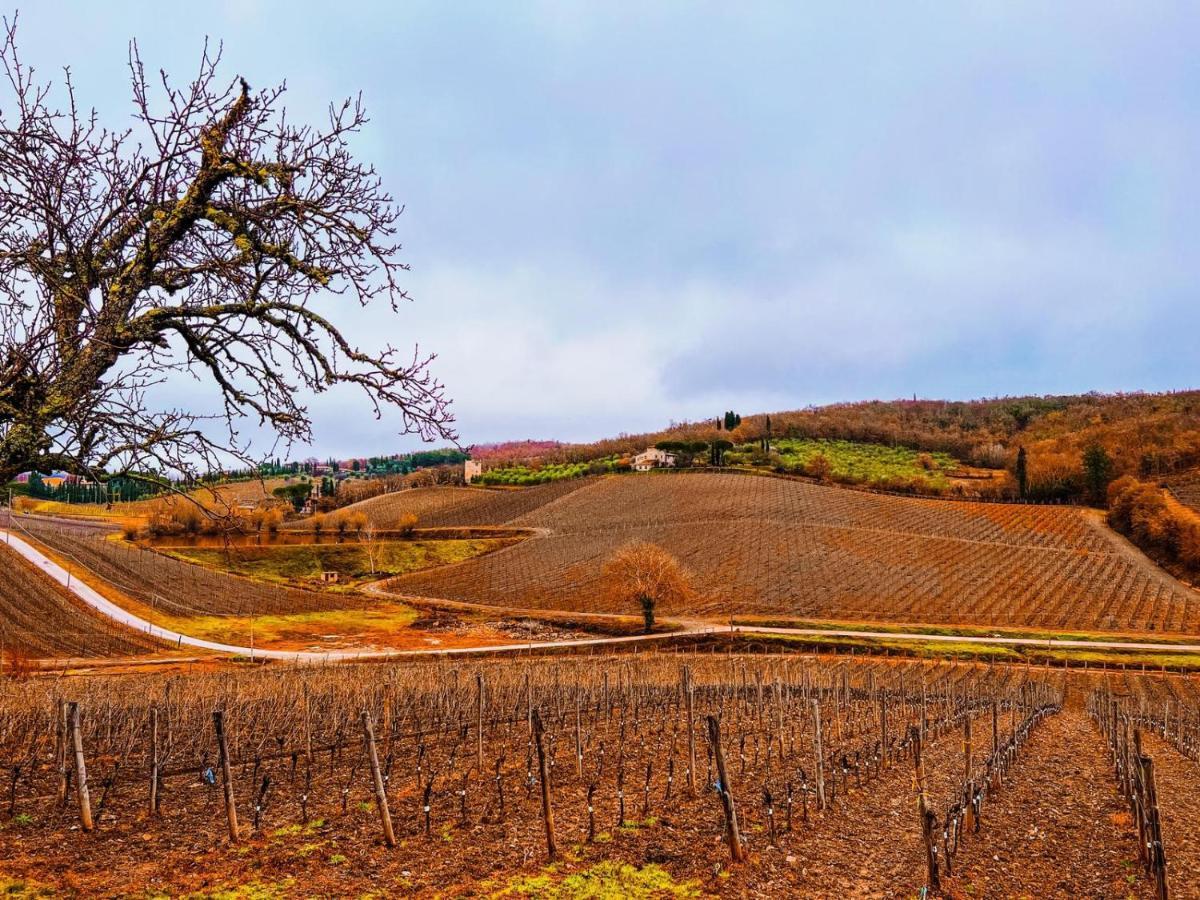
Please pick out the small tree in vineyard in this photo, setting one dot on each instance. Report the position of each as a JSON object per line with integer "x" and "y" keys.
{"x": 647, "y": 575}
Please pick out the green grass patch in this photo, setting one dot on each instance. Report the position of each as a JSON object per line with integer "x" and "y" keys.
{"x": 254, "y": 890}
{"x": 1065, "y": 656}
{"x": 354, "y": 562}
{"x": 383, "y": 617}
{"x": 14, "y": 887}
{"x": 526, "y": 475}
{"x": 608, "y": 880}
{"x": 855, "y": 462}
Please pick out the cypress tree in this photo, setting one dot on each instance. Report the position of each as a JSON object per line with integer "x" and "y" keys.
{"x": 1022, "y": 473}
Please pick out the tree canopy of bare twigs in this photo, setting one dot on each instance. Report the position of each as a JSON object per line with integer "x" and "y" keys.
{"x": 647, "y": 575}
{"x": 196, "y": 241}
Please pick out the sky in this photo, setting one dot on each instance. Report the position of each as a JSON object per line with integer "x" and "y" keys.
{"x": 622, "y": 214}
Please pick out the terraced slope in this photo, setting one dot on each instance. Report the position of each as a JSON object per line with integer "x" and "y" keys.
{"x": 771, "y": 546}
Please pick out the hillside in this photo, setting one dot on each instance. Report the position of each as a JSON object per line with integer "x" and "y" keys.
{"x": 776, "y": 547}
{"x": 1146, "y": 435}
{"x": 220, "y": 498}
{"x": 38, "y": 618}
{"x": 450, "y": 507}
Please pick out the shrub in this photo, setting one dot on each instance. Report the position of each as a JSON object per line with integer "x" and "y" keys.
{"x": 1160, "y": 526}
{"x": 406, "y": 524}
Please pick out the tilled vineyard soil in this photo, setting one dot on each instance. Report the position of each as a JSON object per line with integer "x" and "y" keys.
{"x": 867, "y": 846}
{"x": 623, "y": 708}
{"x": 1179, "y": 808}
{"x": 1058, "y": 828}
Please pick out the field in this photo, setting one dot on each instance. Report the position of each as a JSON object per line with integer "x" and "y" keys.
{"x": 629, "y": 758}
{"x": 524, "y": 475}
{"x": 39, "y": 619}
{"x": 862, "y": 463}
{"x": 354, "y": 562}
{"x": 820, "y": 753}
{"x": 773, "y": 547}
{"x": 448, "y": 507}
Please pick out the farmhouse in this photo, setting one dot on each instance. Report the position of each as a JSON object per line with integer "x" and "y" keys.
{"x": 652, "y": 458}
{"x": 472, "y": 469}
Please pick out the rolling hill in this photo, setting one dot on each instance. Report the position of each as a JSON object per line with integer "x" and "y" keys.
{"x": 777, "y": 547}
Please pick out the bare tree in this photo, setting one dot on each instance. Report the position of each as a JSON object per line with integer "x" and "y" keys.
{"x": 198, "y": 241}
{"x": 368, "y": 536}
{"x": 645, "y": 574}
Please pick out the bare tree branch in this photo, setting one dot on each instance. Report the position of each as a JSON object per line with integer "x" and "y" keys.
{"x": 195, "y": 242}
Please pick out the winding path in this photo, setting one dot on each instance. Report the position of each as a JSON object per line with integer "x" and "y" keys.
{"x": 684, "y": 627}
{"x": 106, "y": 607}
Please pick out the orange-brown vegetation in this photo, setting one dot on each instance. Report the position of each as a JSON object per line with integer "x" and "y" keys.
{"x": 1156, "y": 522}
{"x": 645, "y": 575}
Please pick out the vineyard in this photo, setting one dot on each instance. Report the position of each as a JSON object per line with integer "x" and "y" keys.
{"x": 204, "y": 603}
{"x": 701, "y": 772}
{"x": 170, "y": 586}
{"x": 39, "y": 619}
{"x": 775, "y": 547}
{"x": 448, "y": 507}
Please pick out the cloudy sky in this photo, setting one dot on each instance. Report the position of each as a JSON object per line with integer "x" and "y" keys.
{"x": 618, "y": 214}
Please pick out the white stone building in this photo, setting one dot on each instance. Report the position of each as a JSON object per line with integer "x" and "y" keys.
{"x": 652, "y": 458}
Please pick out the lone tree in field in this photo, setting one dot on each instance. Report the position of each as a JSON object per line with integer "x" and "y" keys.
{"x": 197, "y": 242}
{"x": 647, "y": 575}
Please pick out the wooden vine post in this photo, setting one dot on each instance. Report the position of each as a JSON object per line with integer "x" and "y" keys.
{"x": 732, "y": 833}
{"x": 544, "y": 772}
{"x": 226, "y": 774}
{"x": 81, "y": 782}
{"x": 153, "y": 760}
{"x": 818, "y": 753}
{"x": 479, "y": 722}
{"x": 381, "y": 800}
{"x": 689, "y": 700}
{"x": 883, "y": 731}
{"x": 995, "y": 727}
{"x": 62, "y": 731}
{"x": 1157, "y": 856}
{"x": 308, "y": 756}
{"x": 970, "y": 811}
{"x": 578, "y": 739}
{"x": 928, "y": 820}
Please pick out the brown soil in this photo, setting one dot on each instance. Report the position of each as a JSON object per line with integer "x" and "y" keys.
{"x": 1058, "y": 829}
{"x": 1176, "y": 777}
